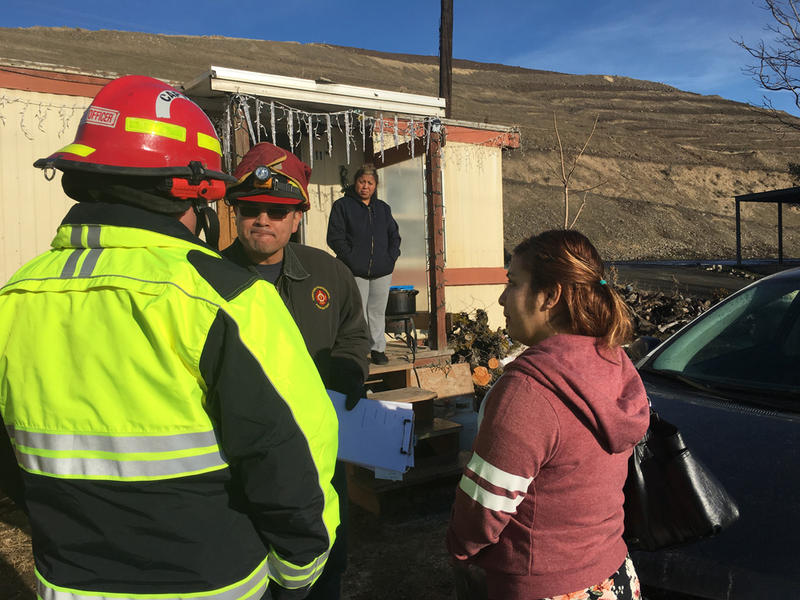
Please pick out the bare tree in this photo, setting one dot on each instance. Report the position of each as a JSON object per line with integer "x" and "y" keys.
{"x": 778, "y": 61}
{"x": 567, "y": 168}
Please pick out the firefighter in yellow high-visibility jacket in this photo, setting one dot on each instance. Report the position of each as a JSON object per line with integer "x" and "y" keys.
{"x": 168, "y": 441}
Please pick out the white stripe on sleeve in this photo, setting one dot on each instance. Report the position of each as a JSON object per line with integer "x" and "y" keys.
{"x": 498, "y": 477}
{"x": 487, "y": 499}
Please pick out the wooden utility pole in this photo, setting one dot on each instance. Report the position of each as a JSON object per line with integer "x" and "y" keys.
{"x": 446, "y": 56}
{"x": 437, "y": 332}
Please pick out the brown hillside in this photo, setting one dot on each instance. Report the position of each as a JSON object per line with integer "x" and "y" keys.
{"x": 671, "y": 160}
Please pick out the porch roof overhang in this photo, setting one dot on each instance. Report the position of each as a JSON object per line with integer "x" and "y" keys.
{"x": 779, "y": 198}
{"x": 311, "y": 94}
{"x": 788, "y": 195}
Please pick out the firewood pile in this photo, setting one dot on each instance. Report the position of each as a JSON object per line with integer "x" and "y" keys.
{"x": 474, "y": 342}
{"x": 655, "y": 313}
{"x": 660, "y": 314}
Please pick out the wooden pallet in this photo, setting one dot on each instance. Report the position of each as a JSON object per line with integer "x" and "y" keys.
{"x": 436, "y": 456}
{"x": 380, "y": 496}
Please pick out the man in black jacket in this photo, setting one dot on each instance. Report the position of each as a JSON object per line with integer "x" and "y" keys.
{"x": 319, "y": 291}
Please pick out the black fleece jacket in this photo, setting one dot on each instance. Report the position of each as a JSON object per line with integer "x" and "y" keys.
{"x": 323, "y": 299}
{"x": 365, "y": 237}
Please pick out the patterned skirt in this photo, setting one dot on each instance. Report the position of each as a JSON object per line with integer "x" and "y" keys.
{"x": 470, "y": 584}
{"x": 622, "y": 585}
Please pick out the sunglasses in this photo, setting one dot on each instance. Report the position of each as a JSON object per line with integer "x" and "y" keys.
{"x": 253, "y": 209}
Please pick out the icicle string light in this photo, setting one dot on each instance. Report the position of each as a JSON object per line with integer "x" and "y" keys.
{"x": 328, "y": 131}
{"x": 381, "y": 118}
{"x": 428, "y": 137}
{"x": 290, "y": 128}
{"x": 308, "y": 124}
{"x": 41, "y": 115}
{"x": 258, "y": 120}
{"x": 347, "y": 136}
{"x": 22, "y": 126}
{"x": 227, "y": 138}
{"x": 272, "y": 121}
{"x": 62, "y": 115}
{"x": 310, "y": 142}
{"x": 413, "y": 137}
{"x": 65, "y": 114}
{"x": 363, "y": 133}
{"x": 243, "y": 111}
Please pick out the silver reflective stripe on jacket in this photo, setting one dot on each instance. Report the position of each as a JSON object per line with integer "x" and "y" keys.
{"x": 292, "y": 577}
{"x": 89, "y": 263}
{"x": 251, "y": 587}
{"x": 119, "y": 457}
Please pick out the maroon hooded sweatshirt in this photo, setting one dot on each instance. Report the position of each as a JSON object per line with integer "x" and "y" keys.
{"x": 539, "y": 506}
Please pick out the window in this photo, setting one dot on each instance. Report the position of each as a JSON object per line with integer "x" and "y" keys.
{"x": 750, "y": 340}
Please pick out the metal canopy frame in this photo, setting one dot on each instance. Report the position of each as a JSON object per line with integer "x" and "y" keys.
{"x": 309, "y": 93}
{"x": 780, "y": 197}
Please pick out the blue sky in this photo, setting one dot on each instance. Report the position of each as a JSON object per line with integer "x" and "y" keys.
{"x": 683, "y": 43}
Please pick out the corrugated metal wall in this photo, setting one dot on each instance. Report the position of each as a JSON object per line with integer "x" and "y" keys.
{"x": 32, "y": 125}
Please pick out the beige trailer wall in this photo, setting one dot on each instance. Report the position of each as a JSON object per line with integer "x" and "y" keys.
{"x": 32, "y": 125}
{"x": 325, "y": 187}
{"x": 473, "y": 200}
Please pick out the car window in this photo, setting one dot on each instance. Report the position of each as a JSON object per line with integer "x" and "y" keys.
{"x": 751, "y": 340}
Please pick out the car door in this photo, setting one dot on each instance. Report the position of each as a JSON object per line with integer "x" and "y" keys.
{"x": 732, "y": 386}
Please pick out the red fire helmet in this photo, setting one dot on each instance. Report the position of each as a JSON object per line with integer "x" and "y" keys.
{"x": 138, "y": 125}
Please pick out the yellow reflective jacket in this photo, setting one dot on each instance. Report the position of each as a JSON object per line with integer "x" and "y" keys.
{"x": 172, "y": 441}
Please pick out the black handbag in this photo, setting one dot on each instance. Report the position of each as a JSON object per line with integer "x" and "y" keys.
{"x": 671, "y": 498}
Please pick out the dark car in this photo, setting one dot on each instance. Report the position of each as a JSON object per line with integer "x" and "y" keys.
{"x": 730, "y": 381}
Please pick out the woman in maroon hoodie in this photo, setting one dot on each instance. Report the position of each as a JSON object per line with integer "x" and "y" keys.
{"x": 539, "y": 507}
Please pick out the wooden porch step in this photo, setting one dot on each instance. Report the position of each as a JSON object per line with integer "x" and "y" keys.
{"x": 381, "y": 495}
{"x": 438, "y": 427}
{"x": 406, "y": 394}
{"x": 420, "y": 399}
{"x": 436, "y": 443}
{"x": 400, "y": 358}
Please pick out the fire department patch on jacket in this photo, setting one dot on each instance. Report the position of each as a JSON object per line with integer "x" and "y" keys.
{"x": 321, "y": 297}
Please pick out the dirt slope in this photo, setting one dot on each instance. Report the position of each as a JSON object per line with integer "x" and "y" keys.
{"x": 669, "y": 161}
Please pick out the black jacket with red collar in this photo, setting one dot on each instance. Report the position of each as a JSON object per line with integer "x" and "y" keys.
{"x": 322, "y": 296}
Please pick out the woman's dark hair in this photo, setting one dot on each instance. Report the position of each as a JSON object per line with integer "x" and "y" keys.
{"x": 366, "y": 169}
{"x": 590, "y": 305}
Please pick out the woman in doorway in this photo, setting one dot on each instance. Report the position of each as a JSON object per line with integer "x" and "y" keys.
{"x": 540, "y": 505}
{"x": 365, "y": 237}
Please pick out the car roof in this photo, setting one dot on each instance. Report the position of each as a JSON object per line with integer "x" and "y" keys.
{"x": 792, "y": 274}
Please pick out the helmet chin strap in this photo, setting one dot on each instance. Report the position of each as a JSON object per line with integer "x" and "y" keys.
{"x": 207, "y": 223}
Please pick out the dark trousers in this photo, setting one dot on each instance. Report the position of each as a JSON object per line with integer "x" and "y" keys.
{"x": 327, "y": 587}
{"x": 470, "y": 582}
{"x": 329, "y": 584}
